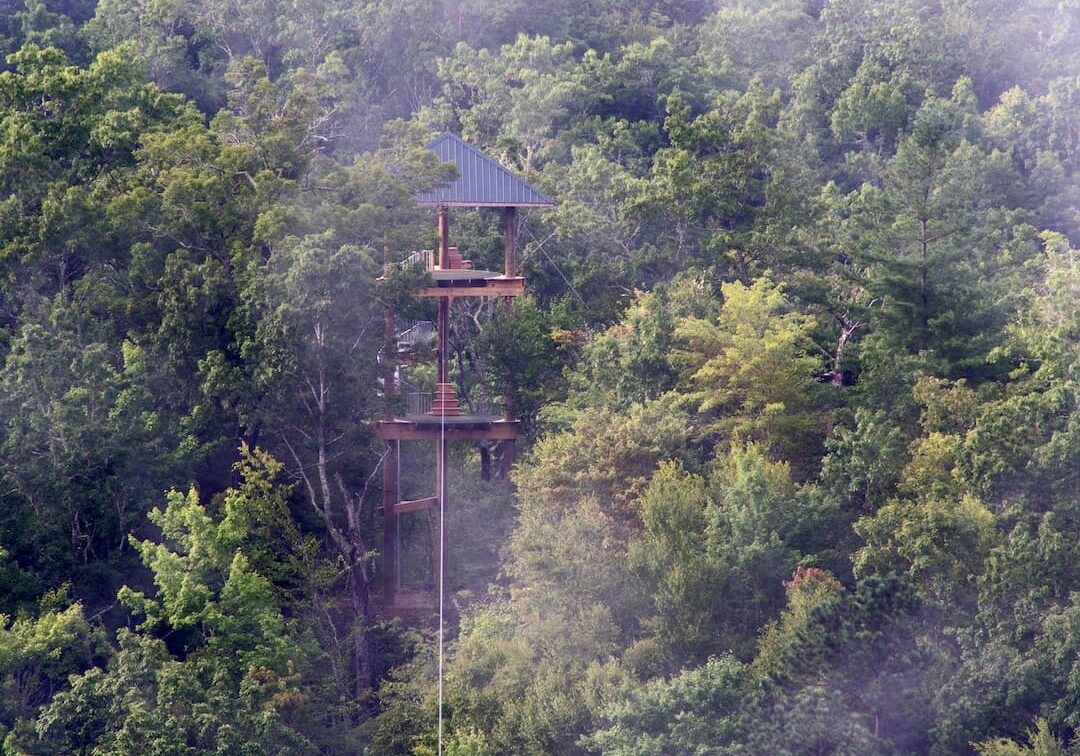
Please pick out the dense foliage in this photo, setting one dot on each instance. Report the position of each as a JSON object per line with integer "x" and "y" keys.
{"x": 799, "y": 376}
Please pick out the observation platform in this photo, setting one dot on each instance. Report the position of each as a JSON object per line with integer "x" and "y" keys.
{"x": 429, "y": 415}
{"x": 456, "y": 277}
{"x": 448, "y": 420}
{"x": 457, "y": 428}
{"x": 457, "y": 282}
{"x": 437, "y": 417}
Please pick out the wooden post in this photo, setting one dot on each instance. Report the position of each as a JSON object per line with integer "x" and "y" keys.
{"x": 444, "y": 338}
{"x": 509, "y": 270}
{"x": 444, "y": 239}
{"x": 442, "y": 447}
{"x": 390, "y": 522}
{"x": 390, "y": 349}
{"x": 509, "y": 242}
{"x": 444, "y": 302}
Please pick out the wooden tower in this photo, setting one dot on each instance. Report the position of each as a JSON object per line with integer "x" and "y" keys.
{"x": 439, "y": 418}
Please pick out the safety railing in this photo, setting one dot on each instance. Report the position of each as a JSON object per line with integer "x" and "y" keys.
{"x": 425, "y": 258}
{"x": 418, "y": 402}
{"x": 418, "y": 332}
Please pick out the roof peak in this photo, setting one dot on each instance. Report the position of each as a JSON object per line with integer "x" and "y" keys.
{"x": 482, "y": 181}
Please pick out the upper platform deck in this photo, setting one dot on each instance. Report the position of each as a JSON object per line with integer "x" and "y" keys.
{"x": 458, "y": 278}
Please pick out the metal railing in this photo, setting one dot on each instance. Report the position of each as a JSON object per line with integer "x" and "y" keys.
{"x": 403, "y": 386}
{"x": 419, "y": 403}
{"x": 416, "y": 333}
{"x": 425, "y": 258}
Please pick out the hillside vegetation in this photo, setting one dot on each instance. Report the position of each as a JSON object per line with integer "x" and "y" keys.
{"x": 798, "y": 371}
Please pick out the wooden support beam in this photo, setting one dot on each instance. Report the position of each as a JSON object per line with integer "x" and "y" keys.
{"x": 444, "y": 237}
{"x": 509, "y": 242}
{"x": 444, "y": 337}
{"x": 389, "y": 354}
{"x": 415, "y": 505}
{"x": 442, "y": 450}
{"x": 390, "y": 521}
{"x": 493, "y": 287}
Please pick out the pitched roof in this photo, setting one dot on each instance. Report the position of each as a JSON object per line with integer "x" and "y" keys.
{"x": 481, "y": 181}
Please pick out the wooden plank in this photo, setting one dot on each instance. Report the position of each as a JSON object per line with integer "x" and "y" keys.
{"x": 413, "y": 505}
{"x": 493, "y": 287}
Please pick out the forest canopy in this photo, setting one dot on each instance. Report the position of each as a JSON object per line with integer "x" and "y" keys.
{"x": 797, "y": 373}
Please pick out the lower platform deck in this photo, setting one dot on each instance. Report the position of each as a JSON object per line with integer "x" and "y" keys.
{"x": 456, "y": 428}
{"x": 473, "y": 283}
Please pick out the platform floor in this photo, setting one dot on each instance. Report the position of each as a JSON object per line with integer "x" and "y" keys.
{"x": 463, "y": 274}
{"x": 452, "y": 419}
{"x": 460, "y": 428}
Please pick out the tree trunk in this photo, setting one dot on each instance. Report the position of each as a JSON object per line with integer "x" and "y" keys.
{"x": 924, "y": 291}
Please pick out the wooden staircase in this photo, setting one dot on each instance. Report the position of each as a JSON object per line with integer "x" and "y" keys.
{"x": 455, "y": 261}
{"x": 445, "y": 402}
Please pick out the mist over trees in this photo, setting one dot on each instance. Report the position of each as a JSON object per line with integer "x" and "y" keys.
{"x": 798, "y": 373}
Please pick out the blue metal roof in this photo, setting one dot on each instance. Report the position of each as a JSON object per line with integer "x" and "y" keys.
{"x": 481, "y": 181}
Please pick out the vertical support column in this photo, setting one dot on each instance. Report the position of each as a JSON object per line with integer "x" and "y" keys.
{"x": 444, "y": 338}
{"x": 444, "y": 238}
{"x": 442, "y": 453}
{"x": 509, "y": 270}
{"x": 444, "y": 303}
{"x": 390, "y": 349}
{"x": 509, "y": 448}
{"x": 390, "y": 522}
{"x": 509, "y": 242}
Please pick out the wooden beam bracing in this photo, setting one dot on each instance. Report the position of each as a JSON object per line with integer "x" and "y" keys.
{"x": 415, "y": 505}
{"x": 492, "y": 287}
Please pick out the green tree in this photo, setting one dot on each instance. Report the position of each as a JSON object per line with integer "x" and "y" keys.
{"x": 39, "y": 653}
{"x": 715, "y": 553}
{"x": 749, "y": 373}
{"x": 710, "y": 184}
{"x": 704, "y": 707}
{"x": 1041, "y": 742}
{"x": 235, "y": 674}
{"x": 83, "y": 443}
{"x": 945, "y": 258}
